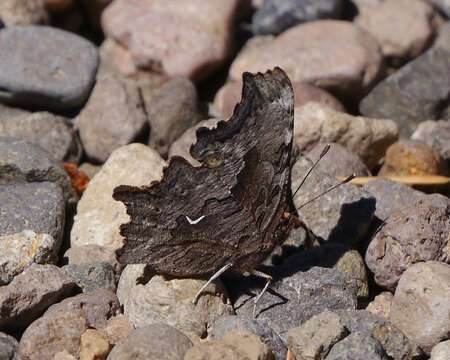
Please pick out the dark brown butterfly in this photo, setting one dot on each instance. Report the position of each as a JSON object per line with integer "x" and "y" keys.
{"x": 226, "y": 214}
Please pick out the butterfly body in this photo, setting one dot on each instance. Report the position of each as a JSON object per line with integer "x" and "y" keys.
{"x": 230, "y": 209}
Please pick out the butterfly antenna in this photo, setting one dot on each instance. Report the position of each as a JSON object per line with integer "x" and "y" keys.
{"x": 346, "y": 180}
{"x": 322, "y": 154}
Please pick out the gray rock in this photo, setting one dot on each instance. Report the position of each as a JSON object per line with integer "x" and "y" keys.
{"x": 357, "y": 346}
{"x": 31, "y": 293}
{"x": 368, "y": 138}
{"x": 114, "y": 116}
{"x": 150, "y": 299}
{"x": 275, "y": 16}
{"x": 394, "y": 341}
{"x": 51, "y": 132}
{"x": 172, "y": 109}
{"x": 442, "y": 350}
{"x": 21, "y": 161}
{"x": 421, "y": 304}
{"x": 416, "y": 92}
{"x": 64, "y": 323}
{"x": 23, "y": 12}
{"x": 94, "y": 276}
{"x": 90, "y": 169}
{"x": 435, "y": 134}
{"x": 52, "y": 69}
{"x": 414, "y": 234}
{"x": 391, "y": 196}
{"x": 261, "y": 328}
{"x": 295, "y": 299}
{"x": 99, "y": 216}
{"x": 343, "y": 215}
{"x": 9, "y": 112}
{"x": 314, "y": 339}
{"x": 19, "y": 251}
{"x": 88, "y": 254}
{"x": 152, "y": 342}
{"x": 38, "y": 207}
{"x": 8, "y": 347}
{"x": 338, "y": 161}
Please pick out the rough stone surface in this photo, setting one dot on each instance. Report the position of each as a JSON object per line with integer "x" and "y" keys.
{"x": 435, "y": 134}
{"x": 391, "y": 196}
{"x": 408, "y": 157}
{"x": 51, "y": 132}
{"x": 229, "y": 96}
{"x": 275, "y": 16}
{"x": 235, "y": 345}
{"x": 403, "y": 28}
{"x": 98, "y": 215}
{"x": 182, "y": 145}
{"x": 338, "y": 161}
{"x": 416, "y": 92}
{"x": 94, "y": 276}
{"x": 314, "y": 339}
{"x": 357, "y": 346}
{"x": 31, "y": 293}
{"x": 343, "y": 215}
{"x": 52, "y": 69}
{"x": 37, "y": 207}
{"x": 318, "y": 53}
{"x": 114, "y": 116}
{"x": 8, "y": 347}
{"x": 441, "y": 5}
{"x": 367, "y": 138}
{"x": 19, "y": 251}
{"x": 394, "y": 342}
{"x": 150, "y": 299}
{"x": 172, "y": 109}
{"x": 226, "y": 323}
{"x": 152, "y": 343}
{"x": 441, "y": 351}
{"x": 63, "y": 325}
{"x": 117, "y": 328}
{"x": 381, "y": 305}
{"x": 23, "y": 12}
{"x": 89, "y": 254}
{"x": 331, "y": 255}
{"x": 423, "y": 290}
{"x": 21, "y": 161}
{"x": 93, "y": 345}
{"x": 414, "y": 234}
{"x": 181, "y": 38}
{"x": 309, "y": 294}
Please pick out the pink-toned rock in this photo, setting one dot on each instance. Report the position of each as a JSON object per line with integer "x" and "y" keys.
{"x": 402, "y": 27}
{"x": 230, "y": 94}
{"x": 189, "y": 38}
{"x": 335, "y": 55}
{"x": 23, "y": 12}
{"x": 381, "y": 305}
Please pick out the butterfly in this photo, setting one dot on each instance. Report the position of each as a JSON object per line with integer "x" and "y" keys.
{"x": 227, "y": 213}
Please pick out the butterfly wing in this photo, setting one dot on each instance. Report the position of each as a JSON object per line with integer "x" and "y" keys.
{"x": 196, "y": 219}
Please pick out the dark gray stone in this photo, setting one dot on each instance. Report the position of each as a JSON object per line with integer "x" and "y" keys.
{"x": 417, "y": 92}
{"x": 391, "y": 196}
{"x": 338, "y": 161}
{"x": 294, "y": 299}
{"x": 51, "y": 69}
{"x": 32, "y": 206}
{"x": 51, "y": 132}
{"x": 420, "y": 232}
{"x": 357, "y": 346}
{"x": 172, "y": 109}
{"x": 244, "y": 323}
{"x": 275, "y": 16}
{"x": 343, "y": 215}
{"x": 153, "y": 342}
{"x": 435, "y": 134}
{"x": 22, "y": 161}
{"x": 94, "y": 276}
{"x": 8, "y": 347}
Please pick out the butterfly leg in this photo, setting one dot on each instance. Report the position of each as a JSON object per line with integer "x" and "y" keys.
{"x": 211, "y": 279}
{"x": 268, "y": 279}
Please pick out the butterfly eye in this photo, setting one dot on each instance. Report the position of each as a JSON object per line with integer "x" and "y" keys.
{"x": 213, "y": 161}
